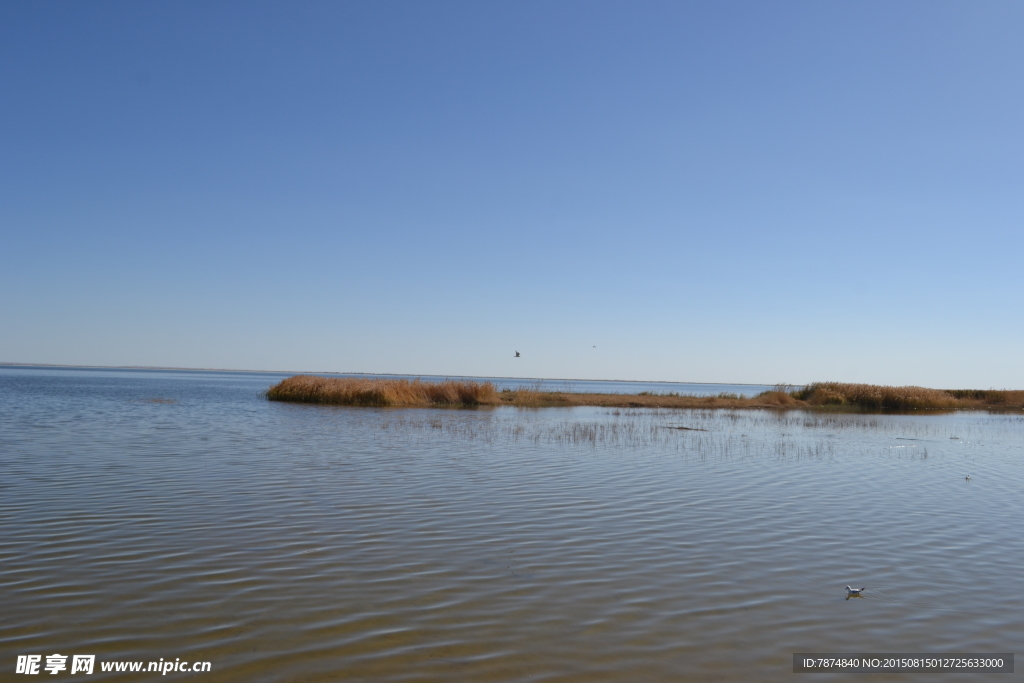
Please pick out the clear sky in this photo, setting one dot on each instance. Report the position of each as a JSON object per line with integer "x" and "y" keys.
{"x": 716, "y": 192}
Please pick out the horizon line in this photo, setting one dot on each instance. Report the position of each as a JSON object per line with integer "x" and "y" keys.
{"x": 383, "y": 374}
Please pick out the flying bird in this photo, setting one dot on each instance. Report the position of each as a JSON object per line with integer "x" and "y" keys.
{"x": 517, "y": 354}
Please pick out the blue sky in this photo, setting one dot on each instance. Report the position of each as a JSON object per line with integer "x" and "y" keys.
{"x": 712, "y": 192}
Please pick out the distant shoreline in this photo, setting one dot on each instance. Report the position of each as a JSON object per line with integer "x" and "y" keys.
{"x": 373, "y": 374}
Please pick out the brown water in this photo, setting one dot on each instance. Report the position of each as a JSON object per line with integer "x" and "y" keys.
{"x": 148, "y": 515}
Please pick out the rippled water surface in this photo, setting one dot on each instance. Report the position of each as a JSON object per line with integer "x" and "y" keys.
{"x": 148, "y": 515}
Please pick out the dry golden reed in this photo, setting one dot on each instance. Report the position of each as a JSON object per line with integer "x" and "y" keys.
{"x": 877, "y": 397}
{"x": 381, "y": 392}
{"x": 455, "y": 393}
{"x": 403, "y": 392}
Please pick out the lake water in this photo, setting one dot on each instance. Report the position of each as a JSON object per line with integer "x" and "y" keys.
{"x": 148, "y": 515}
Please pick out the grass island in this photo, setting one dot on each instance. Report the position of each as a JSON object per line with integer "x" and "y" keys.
{"x": 466, "y": 393}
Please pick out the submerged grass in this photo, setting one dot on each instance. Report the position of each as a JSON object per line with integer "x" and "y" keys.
{"x": 466, "y": 393}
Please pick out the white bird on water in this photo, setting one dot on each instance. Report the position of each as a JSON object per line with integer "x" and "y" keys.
{"x": 968, "y": 477}
{"x": 853, "y": 592}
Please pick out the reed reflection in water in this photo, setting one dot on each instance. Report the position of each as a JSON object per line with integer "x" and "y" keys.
{"x": 292, "y": 542}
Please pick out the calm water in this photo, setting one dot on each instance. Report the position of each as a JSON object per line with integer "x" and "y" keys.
{"x": 148, "y": 515}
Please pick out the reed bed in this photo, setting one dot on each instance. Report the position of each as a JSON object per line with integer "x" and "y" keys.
{"x": 381, "y": 392}
{"x": 827, "y": 396}
{"x": 877, "y": 397}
